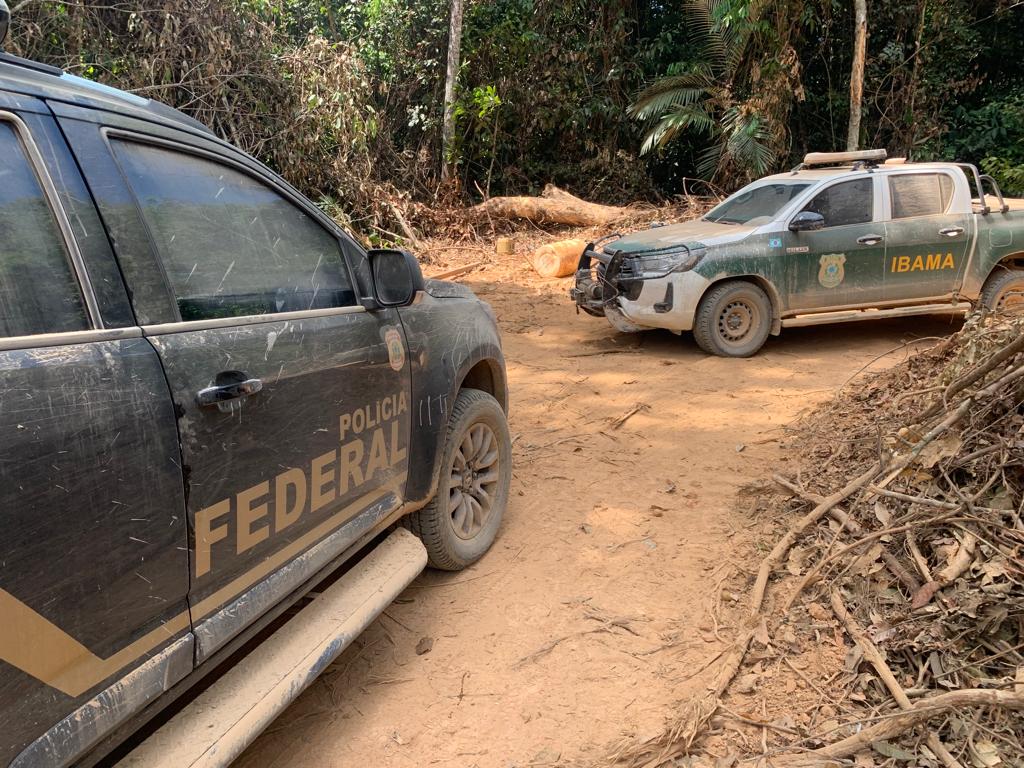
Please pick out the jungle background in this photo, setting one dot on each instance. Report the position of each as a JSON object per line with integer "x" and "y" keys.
{"x": 614, "y": 101}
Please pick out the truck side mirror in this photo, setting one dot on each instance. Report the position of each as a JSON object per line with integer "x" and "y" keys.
{"x": 396, "y": 277}
{"x": 807, "y": 221}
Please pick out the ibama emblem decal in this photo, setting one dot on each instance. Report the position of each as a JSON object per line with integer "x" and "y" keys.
{"x": 832, "y": 272}
{"x": 396, "y": 349}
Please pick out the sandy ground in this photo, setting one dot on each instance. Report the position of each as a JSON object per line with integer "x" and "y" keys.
{"x": 621, "y": 551}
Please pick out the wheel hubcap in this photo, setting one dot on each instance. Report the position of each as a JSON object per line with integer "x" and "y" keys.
{"x": 736, "y": 320}
{"x": 474, "y": 481}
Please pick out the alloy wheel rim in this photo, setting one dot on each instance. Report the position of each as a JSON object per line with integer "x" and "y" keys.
{"x": 473, "y": 483}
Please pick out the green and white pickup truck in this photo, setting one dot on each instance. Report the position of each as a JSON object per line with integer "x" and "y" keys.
{"x": 844, "y": 236}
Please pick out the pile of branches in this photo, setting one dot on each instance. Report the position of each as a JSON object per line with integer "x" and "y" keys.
{"x": 911, "y": 531}
{"x": 925, "y": 570}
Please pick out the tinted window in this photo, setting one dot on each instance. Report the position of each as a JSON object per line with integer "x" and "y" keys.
{"x": 231, "y": 245}
{"x": 38, "y": 290}
{"x": 849, "y": 202}
{"x": 756, "y": 204}
{"x": 920, "y": 194}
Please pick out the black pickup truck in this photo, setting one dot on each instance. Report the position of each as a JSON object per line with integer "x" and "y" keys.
{"x": 211, "y": 398}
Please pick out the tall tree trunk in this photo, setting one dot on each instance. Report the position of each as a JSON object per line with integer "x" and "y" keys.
{"x": 451, "y": 77}
{"x": 860, "y": 42}
{"x": 911, "y": 132}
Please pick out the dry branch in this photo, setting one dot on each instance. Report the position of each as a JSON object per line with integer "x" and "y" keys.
{"x": 877, "y": 660}
{"x": 926, "y": 709}
{"x": 837, "y": 514}
{"x": 782, "y": 547}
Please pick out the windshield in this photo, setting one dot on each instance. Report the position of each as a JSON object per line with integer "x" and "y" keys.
{"x": 756, "y": 203}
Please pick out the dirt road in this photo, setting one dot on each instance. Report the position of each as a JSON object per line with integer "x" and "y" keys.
{"x": 623, "y": 546}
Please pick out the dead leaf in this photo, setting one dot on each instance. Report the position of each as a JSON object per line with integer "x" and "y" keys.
{"x": 939, "y": 449}
{"x": 817, "y": 611}
{"x": 795, "y": 561}
{"x": 746, "y": 683}
{"x": 886, "y": 749}
{"x": 984, "y": 754}
{"x": 761, "y": 635}
{"x": 924, "y": 595}
{"x": 883, "y": 514}
{"x": 864, "y": 565}
{"x": 994, "y": 569}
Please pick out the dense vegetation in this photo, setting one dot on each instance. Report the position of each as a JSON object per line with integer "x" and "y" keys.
{"x": 345, "y": 97}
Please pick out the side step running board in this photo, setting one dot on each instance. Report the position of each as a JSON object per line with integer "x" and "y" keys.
{"x": 222, "y": 721}
{"x": 825, "y": 318}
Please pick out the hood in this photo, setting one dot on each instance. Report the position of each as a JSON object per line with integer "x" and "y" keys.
{"x": 692, "y": 233}
{"x": 442, "y": 289}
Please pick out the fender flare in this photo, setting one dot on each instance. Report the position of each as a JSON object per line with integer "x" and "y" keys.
{"x": 483, "y": 368}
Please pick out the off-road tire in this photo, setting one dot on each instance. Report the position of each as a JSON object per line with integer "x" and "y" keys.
{"x": 733, "y": 319}
{"x": 434, "y": 524}
{"x": 1001, "y": 282}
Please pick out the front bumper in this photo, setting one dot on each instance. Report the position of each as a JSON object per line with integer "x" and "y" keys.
{"x": 610, "y": 285}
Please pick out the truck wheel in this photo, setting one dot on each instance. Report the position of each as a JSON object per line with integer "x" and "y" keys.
{"x": 733, "y": 319}
{"x": 461, "y": 522}
{"x": 1004, "y": 289}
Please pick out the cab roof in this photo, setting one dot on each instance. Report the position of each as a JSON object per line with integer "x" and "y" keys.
{"x": 835, "y": 171}
{"x": 31, "y": 78}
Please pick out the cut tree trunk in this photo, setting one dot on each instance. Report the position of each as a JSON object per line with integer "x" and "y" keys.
{"x": 554, "y": 206}
{"x": 860, "y": 42}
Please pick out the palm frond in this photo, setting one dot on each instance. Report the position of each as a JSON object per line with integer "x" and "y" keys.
{"x": 747, "y": 140}
{"x": 670, "y": 92}
{"x": 676, "y": 120}
{"x": 709, "y": 161}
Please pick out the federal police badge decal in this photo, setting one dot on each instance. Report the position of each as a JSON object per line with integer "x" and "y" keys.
{"x": 832, "y": 273}
{"x": 396, "y": 349}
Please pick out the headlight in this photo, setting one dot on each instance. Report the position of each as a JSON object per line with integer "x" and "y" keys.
{"x": 664, "y": 262}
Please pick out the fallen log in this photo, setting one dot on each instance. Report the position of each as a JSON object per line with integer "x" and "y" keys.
{"x": 554, "y": 206}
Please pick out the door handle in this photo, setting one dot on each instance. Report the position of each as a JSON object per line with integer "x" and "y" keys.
{"x": 951, "y": 231}
{"x": 230, "y": 385}
{"x": 870, "y": 239}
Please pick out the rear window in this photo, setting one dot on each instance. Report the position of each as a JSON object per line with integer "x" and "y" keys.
{"x": 39, "y": 292}
{"x": 920, "y": 194}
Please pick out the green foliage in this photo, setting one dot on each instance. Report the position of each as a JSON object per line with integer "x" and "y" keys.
{"x": 994, "y": 133}
{"x": 716, "y": 94}
{"x": 615, "y": 101}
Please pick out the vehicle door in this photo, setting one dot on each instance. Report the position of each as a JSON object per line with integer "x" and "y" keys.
{"x": 293, "y": 399}
{"x": 92, "y": 512}
{"x": 926, "y": 237}
{"x": 842, "y": 264}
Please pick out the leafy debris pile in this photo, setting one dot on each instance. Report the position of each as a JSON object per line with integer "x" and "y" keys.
{"x": 904, "y": 565}
{"x": 922, "y": 564}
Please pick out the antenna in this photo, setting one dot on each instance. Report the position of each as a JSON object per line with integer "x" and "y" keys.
{"x": 5, "y": 22}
